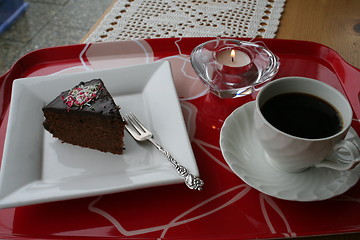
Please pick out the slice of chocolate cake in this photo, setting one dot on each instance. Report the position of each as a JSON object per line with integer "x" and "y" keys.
{"x": 87, "y": 116}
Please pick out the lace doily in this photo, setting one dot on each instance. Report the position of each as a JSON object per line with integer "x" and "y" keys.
{"x": 139, "y": 19}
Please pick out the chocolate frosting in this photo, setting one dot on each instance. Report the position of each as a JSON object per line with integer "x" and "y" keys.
{"x": 103, "y": 103}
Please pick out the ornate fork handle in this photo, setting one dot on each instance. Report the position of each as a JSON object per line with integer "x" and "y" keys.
{"x": 191, "y": 181}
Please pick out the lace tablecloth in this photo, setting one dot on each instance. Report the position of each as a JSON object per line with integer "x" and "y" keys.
{"x": 139, "y": 19}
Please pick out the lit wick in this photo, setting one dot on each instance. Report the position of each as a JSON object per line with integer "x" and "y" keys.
{"x": 233, "y": 58}
{"x": 232, "y": 54}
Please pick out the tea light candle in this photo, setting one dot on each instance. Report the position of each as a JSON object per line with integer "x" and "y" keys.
{"x": 233, "y": 58}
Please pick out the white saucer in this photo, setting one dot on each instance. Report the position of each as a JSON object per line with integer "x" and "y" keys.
{"x": 245, "y": 156}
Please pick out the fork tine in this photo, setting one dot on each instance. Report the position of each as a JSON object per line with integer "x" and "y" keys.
{"x": 133, "y": 132}
{"x": 130, "y": 126}
{"x": 135, "y": 124}
{"x": 138, "y": 123}
{"x": 131, "y": 123}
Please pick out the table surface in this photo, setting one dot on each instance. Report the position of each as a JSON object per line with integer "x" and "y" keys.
{"x": 333, "y": 23}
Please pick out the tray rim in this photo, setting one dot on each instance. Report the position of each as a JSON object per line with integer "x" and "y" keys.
{"x": 33, "y": 53}
{"x": 20, "y": 64}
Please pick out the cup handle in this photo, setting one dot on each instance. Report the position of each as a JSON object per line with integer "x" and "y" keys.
{"x": 346, "y": 156}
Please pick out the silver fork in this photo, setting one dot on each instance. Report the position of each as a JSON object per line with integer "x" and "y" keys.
{"x": 140, "y": 133}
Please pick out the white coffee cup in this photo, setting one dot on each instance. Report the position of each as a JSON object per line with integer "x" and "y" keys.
{"x": 294, "y": 154}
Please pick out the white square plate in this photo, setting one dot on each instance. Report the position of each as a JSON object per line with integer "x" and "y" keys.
{"x": 38, "y": 168}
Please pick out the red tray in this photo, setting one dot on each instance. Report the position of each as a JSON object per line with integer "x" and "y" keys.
{"x": 227, "y": 208}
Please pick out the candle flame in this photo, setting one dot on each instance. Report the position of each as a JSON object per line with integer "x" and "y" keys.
{"x": 232, "y": 54}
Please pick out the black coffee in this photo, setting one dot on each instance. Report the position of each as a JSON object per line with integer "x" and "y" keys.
{"x": 302, "y": 115}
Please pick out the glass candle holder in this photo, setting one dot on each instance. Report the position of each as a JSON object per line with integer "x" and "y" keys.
{"x": 233, "y": 68}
